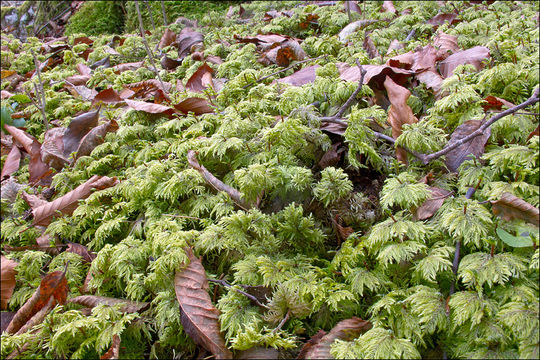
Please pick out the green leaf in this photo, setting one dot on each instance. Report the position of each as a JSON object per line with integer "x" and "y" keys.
{"x": 514, "y": 241}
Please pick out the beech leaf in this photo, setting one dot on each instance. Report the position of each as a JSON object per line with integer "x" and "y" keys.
{"x": 52, "y": 149}
{"x": 493, "y": 102}
{"x": 149, "y": 107}
{"x": 12, "y": 162}
{"x": 303, "y": 76}
{"x": 7, "y": 280}
{"x": 432, "y": 204}
{"x": 66, "y": 204}
{"x": 93, "y": 301}
{"x": 109, "y": 96}
{"x": 199, "y": 317}
{"x": 95, "y": 137}
{"x": 474, "y": 56}
{"x": 77, "y": 128}
{"x": 510, "y": 207}
{"x": 186, "y": 41}
{"x": 167, "y": 39}
{"x": 87, "y": 255}
{"x": 193, "y": 104}
{"x": 258, "y": 352}
{"x": 344, "y": 330}
{"x": 473, "y": 147}
{"x": 120, "y": 68}
{"x": 201, "y": 79}
{"x": 114, "y": 350}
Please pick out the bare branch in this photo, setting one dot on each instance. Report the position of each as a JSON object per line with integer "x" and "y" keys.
{"x": 42, "y": 99}
{"x": 283, "y": 321}
{"x": 249, "y": 296}
{"x": 217, "y": 184}
{"x": 150, "y": 13}
{"x": 163, "y": 13}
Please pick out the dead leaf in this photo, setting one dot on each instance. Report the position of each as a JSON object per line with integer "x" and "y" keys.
{"x": 258, "y": 352}
{"x": 66, "y": 204}
{"x": 7, "y": 280}
{"x": 149, "y": 107}
{"x": 375, "y": 74}
{"x": 82, "y": 250}
{"x": 93, "y": 301}
{"x": 199, "y": 317}
{"x": 432, "y": 204}
{"x": 167, "y": 39}
{"x": 370, "y": 48}
{"x": 303, "y": 76}
{"x": 432, "y": 80}
{"x": 108, "y": 96}
{"x": 474, "y": 56}
{"x": 81, "y": 91}
{"x": 169, "y": 64}
{"x": 120, "y": 68}
{"x": 84, "y": 69}
{"x": 78, "y": 79}
{"x": 332, "y": 156}
{"x": 95, "y": 137}
{"x": 201, "y": 79}
{"x": 333, "y": 128}
{"x": 446, "y": 43}
{"x": 473, "y": 147}
{"x": 287, "y": 51}
{"x": 399, "y": 113}
{"x": 494, "y": 102}
{"x": 186, "y": 40}
{"x": 510, "y": 207}
{"x": 83, "y": 40}
{"x": 265, "y": 41}
{"x": 114, "y": 351}
{"x": 535, "y": 132}
{"x": 310, "y": 343}
{"x": 440, "y": 19}
{"x": 52, "y": 149}
{"x": 147, "y": 89}
{"x": 352, "y": 6}
{"x": 33, "y": 201}
{"x": 105, "y": 62}
{"x": 5, "y": 319}
{"x": 7, "y": 73}
{"x": 78, "y": 127}
{"x": 12, "y": 162}
{"x": 344, "y": 330}
{"x": 388, "y": 6}
{"x": 193, "y": 104}
{"x": 395, "y": 45}
{"x": 6, "y": 94}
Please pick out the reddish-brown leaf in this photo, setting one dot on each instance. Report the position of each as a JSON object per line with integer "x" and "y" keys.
{"x": 431, "y": 205}
{"x": 12, "y": 162}
{"x": 510, "y": 207}
{"x": 114, "y": 351}
{"x": 52, "y": 149}
{"x": 310, "y": 343}
{"x": 199, "y": 317}
{"x": 170, "y": 64}
{"x": 81, "y": 91}
{"x": 370, "y": 48}
{"x": 303, "y": 76}
{"x": 535, "y": 132}
{"x": 440, "y": 19}
{"x": 83, "y": 40}
{"x": 33, "y": 201}
{"x": 108, "y": 96}
{"x": 196, "y": 105}
{"x": 375, "y": 74}
{"x": 432, "y": 80}
{"x": 474, "y": 56}
{"x": 7, "y": 73}
{"x": 388, "y": 6}
{"x": 201, "y": 79}
{"x": 344, "y": 330}
{"x": 68, "y": 203}
{"x": 399, "y": 113}
{"x": 493, "y": 102}
{"x": 473, "y": 147}
{"x": 186, "y": 41}
{"x": 95, "y": 137}
{"x": 446, "y": 43}
{"x": 146, "y": 89}
{"x": 93, "y": 301}
{"x": 82, "y": 250}
{"x": 287, "y": 51}
{"x": 149, "y": 107}
{"x": 331, "y": 157}
{"x": 7, "y": 280}
{"x": 167, "y": 39}
{"x": 128, "y": 66}
{"x": 78, "y": 127}
{"x": 78, "y": 80}
{"x": 258, "y": 352}
{"x": 265, "y": 40}
{"x": 83, "y": 69}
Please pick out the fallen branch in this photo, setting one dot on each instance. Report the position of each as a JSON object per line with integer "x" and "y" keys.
{"x": 280, "y": 325}
{"x": 42, "y": 99}
{"x": 217, "y": 184}
{"x": 151, "y": 15}
{"x": 282, "y": 70}
{"x": 163, "y": 13}
{"x": 249, "y": 296}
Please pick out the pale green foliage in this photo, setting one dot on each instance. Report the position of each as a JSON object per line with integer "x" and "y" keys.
{"x": 436, "y": 261}
{"x": 403, "y": 191}
{"x": 334, "y": 184}
{"x": 479, "y": 268}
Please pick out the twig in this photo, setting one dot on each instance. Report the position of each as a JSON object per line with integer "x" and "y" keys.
{"x": 249, "y": 296}
{"x": 151, "y": 15}
{"x": 350, "y": 99}
{"x": 42, "y": 100}
{"x": 182, "y": 216}
{"x": 235, "y": 195}
{"x": 148, "y": 51}
{"x": 163, "y": 13}
{"x": 280, "y": 325}
{"x": 282, "y": 70}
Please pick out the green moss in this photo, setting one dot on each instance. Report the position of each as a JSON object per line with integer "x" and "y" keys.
{"x": 95, "y": 18}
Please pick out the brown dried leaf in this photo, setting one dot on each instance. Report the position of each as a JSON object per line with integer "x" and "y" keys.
{"x": 149, "y": 107}
{"x": 431, "y": 205}
{"x": 52, "y": 149}
{"x": 170, "y": 64}
{"x": 333, "y": 128}
{"x": 108, "y": 96}
{"x": 375, "y": 74}
{"x": 440, "y": 19}
{"x": 33, "y": 201}
{"x": 535, "y": 132}
{"x": 201, "y": 79}
{"x": 167, "y": 39}
{"x": 432, "y": 80}
{"x": 399, "y": 113}
{"x": 77, "y": 128}
{"x": 82, "y": 250}
{"x": 105, "y": 62}
{"x": 114, "y": 351}
{"x": 95, "y": 137}
{"x": 7, "y": 280}
{"x": 474, "y": 56}
{"x": 446, "y": 43}
{"x": 310, "y": 343}
{"x": 344, "y": 330}
{"x": 303, "y": 76}
{"x": 265, "y": 40}
{"x": 81, "y": 91}
{"x": 146, "y": 89}
{"x": 258, "y": 352}
{"x": 395, "y": 45}
{"x": 93, "y": 301}
{"x": 186, "y": 40}
{"x": 388, "y": 6}
{"x": 510, "y": 207}
{"x": 83, "y": 40}
{"x": 12, "y": 162}
{"x": 473, "y": 147}
{"x": 331, "y": 157}
{"x": 7, "y": 73}
{"x": 83, "y": 69}
{"x": 494, "y": 102}
{"x": 196, "y": 105}
{"x": 199, "y": 317}
{"x": 68, "y": 203}
{"x": 120, "y": 68}
{"x": 78, "y": 80}
{"x": 370, "y": 48}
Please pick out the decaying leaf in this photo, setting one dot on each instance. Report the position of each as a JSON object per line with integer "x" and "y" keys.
{"x": 186, "y": 41}
{"x": 95, "y": 137}
{"x": 493, "y": 102}
{"x": 199, "y": 317}
{"x": 167, "y": 39}
{"x": 344, "y": 330}
{"x": 370, "y": 48}
{"x": 114, "y": 350}
{"x": 109, "y": 96}
{"x": 87, "y": 255}
{"x": 473, "y": 147}
{"x": 193, "y": 104}
{"x": 388, "y": 6}
{"x": 303, "y": 76}
{"x": 170, "y": 64}
{"x": 282, "y": 54}
{"x": 5, "y": 319}
{"x": 510, "y": 207}
{"x": 78, "y": 79}
{"x": 258, "y": 352}
{"x": 474, "y": 56}
{"x": 133, "y": 66}
{"x": 66, "y": 204}
{"x": 332, "y": 156}
{"x": 446, "y": 43}
{"x": 375, "y": 74}
{"x": 432, "y": 204}
{"x": 399, "y": 113}
{"x": 7, "y": 280}
{"x": 93, "y": 301}
{"x": 33, "y": 200}
{"x": 310, "y": 343}
{"x": 201, "y": 79}
{"x": 149, "y": 107}
{"x": 12, "y": 163}
{"x": 440, "y": 19}
{"x": 52, "y": 149}
{"x": 77, "y": 128}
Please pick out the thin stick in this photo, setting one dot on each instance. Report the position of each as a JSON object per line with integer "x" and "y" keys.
{"x": 287, "y": 315}
{"x": 217, "y": 184}
{"x": 151, "y": 15}
{"x": 42, "y": 100}
{"x": 282, "y": 70}
{"x": 183, "y": 216}
{"x": 163, "y": 13}
{"x": 249, "y": 296}
{"x": 148, "y": 51}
